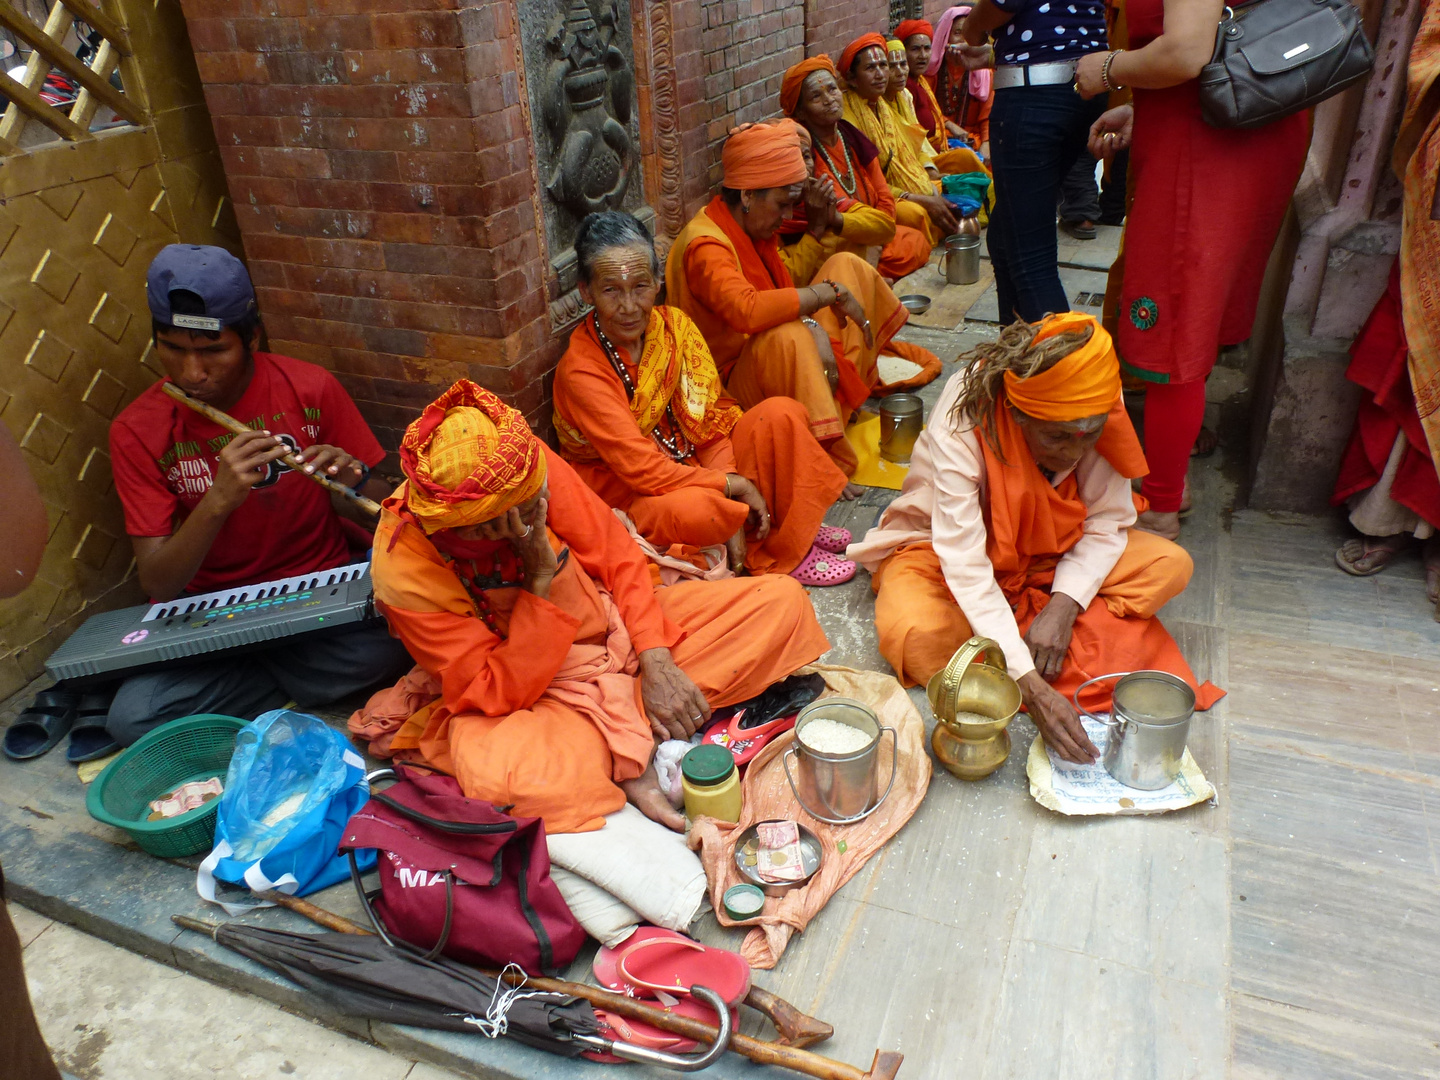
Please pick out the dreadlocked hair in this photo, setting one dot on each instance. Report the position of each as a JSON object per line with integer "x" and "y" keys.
{"x": 1014, "y": 350}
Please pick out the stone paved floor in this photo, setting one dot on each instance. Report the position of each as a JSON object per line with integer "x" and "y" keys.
{"x": 1290, "y": 929}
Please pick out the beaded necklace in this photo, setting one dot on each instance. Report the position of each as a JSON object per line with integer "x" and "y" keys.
{"x": 675, "y": 445}
{"x": 849, "y": 188}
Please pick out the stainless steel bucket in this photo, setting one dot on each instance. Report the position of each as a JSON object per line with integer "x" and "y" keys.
{"x": 1149, "y": 725}
{"x": 960, "y": 264}
{"x": 839, "y": 788}
{"x": 902, "y": 418}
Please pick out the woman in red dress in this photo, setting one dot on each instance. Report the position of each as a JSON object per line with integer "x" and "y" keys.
{"x": 1208, "y": 204}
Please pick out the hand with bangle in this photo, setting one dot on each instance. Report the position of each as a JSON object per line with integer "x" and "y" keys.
{"x": 1095, "y": 75}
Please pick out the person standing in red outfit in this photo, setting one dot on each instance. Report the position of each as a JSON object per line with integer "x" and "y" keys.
{"x": 1193, "y": 261}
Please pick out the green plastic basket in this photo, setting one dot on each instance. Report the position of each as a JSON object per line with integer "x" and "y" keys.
{"x": 191, "y": 748}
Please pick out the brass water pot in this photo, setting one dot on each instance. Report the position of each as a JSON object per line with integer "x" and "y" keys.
{"x": 975, "y": 682}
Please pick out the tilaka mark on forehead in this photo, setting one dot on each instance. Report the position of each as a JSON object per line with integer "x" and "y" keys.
{"x": 624, "y": 265}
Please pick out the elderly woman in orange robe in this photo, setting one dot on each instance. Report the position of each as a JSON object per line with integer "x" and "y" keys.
{"x": 518, "y": 590}
{"x": 811, "y": 94}
{"x": 641, "y": 414}
{"x": 1016, "y": 523}
{"x": 817, "y": 344}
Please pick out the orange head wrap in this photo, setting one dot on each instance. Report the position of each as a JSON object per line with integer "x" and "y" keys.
{"x": 1084, "y": 383}
{"x": 469, "y": 458}
{"x": 760, "y": 156}
{"x": 800, "y": 133}
{"x": 864, "y": 41}
{"x": 910, "y": 27}
{"x": 795, "y": 79}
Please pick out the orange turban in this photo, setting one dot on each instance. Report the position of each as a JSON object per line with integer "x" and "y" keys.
{"x": 799, "y": 130}
{"x": 1084, "y": 383}
{"x": 910, "y": 27}
{"x": 469, "y": 458}
{"x": 795, "y": 78}
{"x": 864, "y": 41}
{"x": 759, "y": 156}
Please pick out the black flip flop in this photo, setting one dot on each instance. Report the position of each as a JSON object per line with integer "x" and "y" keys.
{"x": 39, "y": 728}
{"x": 88, "y": 738}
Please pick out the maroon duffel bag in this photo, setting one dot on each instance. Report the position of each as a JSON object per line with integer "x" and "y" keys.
{"x": 461, "y": 878}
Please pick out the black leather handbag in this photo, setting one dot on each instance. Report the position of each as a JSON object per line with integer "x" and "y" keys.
{"x": 1276, "y": 57}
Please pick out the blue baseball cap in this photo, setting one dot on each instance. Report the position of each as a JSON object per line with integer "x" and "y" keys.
{"x": 211, "y": 273}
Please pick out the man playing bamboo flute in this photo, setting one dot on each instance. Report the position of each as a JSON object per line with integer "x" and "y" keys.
{"x": 208, "y": 510}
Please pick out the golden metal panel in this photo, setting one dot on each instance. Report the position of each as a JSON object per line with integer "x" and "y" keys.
{"x": 79, "y": 224}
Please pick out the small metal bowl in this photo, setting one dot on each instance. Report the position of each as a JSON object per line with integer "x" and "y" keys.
{"x": 916, "y": 303}
{"x": 811, "y": 856}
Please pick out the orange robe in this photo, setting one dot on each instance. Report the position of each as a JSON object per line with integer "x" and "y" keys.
{"x": 743, "y": 299}
{"x": 1029, "y": 524}
{"x": 547, "y": 719}
{"x": 907, "y": 248}
{"x": 684, "y": 502}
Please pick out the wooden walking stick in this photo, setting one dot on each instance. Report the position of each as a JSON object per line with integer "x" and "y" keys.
{"x": 229, "y": 423}
{"x": 885, "y": 1066}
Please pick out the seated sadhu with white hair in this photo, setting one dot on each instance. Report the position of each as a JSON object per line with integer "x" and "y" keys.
{"x": 1016, "y": 522}
{"x": 817, "y": 344}
{"x": 515, "y": 586}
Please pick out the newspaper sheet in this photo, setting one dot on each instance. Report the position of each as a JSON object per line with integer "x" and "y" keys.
{"x": 1068, "y": 788}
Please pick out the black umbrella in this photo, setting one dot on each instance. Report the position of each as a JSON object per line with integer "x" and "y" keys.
{"x": 361, "y": 976}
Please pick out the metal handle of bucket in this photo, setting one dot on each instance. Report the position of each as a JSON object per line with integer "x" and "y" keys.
{"x": 1108, "y": 721}
{"x": 894, "y": 766}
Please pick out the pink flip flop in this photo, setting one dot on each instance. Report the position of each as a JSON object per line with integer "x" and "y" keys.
{"x": 642, "y": 1034}
{"x": 832, "y": 538}
{"x": 654, "y": 961}
{"x": 823, "y": 568}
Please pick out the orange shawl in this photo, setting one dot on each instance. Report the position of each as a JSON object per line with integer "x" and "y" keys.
{"x": 675, "y": 370}
{"x": 760, "y": 263}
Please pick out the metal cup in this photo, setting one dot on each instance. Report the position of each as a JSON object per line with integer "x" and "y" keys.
{"x": 961, "y": 261}
{"x": 840, "y": 788}
{"x": 902, "y": 417}
{"x": 1149, "y": 726}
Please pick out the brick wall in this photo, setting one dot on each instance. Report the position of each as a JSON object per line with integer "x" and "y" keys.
{"x": 830, "y": 25}
{"x": 380, "y": 167}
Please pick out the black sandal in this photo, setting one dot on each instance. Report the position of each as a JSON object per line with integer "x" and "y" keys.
{"x": 39, "y": 728}
{"x": 89, "y": 740}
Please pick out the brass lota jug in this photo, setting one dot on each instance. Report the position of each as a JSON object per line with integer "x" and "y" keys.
{"x": 975, "y": 681}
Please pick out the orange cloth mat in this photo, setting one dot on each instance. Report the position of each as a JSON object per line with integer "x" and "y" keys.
{"x": 768, "y": 795}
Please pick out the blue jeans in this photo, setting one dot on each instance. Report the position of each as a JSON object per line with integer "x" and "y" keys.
{"x": 1036, "y": 133}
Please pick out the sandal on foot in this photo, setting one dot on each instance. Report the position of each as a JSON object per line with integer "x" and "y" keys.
{"x": 823, "y": 568}
{"x": 89, "y": 741}
{"x": 39, "y": 728}
{"x": 1346, "y": 556}
{"x": 833, "y": 539}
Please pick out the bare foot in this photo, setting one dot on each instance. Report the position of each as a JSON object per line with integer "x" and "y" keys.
{"x": 1370, "y": 554}
{"x": 735, "y": 551}
{"x": 1432, "y": 571}
{"x": 1161, "y": 524}
{"x": 645, "y": 795}
{"x": 1205, "y": 443}
{"x": 851, "y": 492}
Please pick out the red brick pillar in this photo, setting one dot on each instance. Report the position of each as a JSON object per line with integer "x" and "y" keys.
{"x": 380, "y": 158}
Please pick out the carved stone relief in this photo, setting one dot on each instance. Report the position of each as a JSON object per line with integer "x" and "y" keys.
{"x": 580, "y": 76}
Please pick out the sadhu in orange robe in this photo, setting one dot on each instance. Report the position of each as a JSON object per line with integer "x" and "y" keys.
{"x": 741, "y": 296}
{"x": 868, "y": 208}
{"x": 542, "y": 713}
{"x": 977, "y": 539}
{"x": 610, "y": 439}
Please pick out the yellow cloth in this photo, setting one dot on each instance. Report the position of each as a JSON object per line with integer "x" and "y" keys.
{"x": 469, "y": 458}
{"x": 873, "y": 470}
{"x": 902, "y": 167}
{"x": 675, "y": 369}
{"x": 910, "y": 128}
{"x": 1084, "y": 383}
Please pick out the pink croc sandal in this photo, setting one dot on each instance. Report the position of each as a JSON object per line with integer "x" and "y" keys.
{"x": 832, "y": 538}
{"x": 823, "y": 568}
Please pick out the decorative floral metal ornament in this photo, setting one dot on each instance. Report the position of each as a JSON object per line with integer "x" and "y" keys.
{"x": 1144, "y": 313}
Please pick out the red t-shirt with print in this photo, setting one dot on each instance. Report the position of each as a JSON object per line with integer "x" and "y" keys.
{"x": 163, "y": 456}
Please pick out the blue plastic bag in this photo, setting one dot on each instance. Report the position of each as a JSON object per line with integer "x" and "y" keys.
{"x": 293, "y": 784}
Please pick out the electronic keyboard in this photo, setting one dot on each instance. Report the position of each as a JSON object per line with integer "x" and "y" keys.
{"x": 129, "y": 640}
